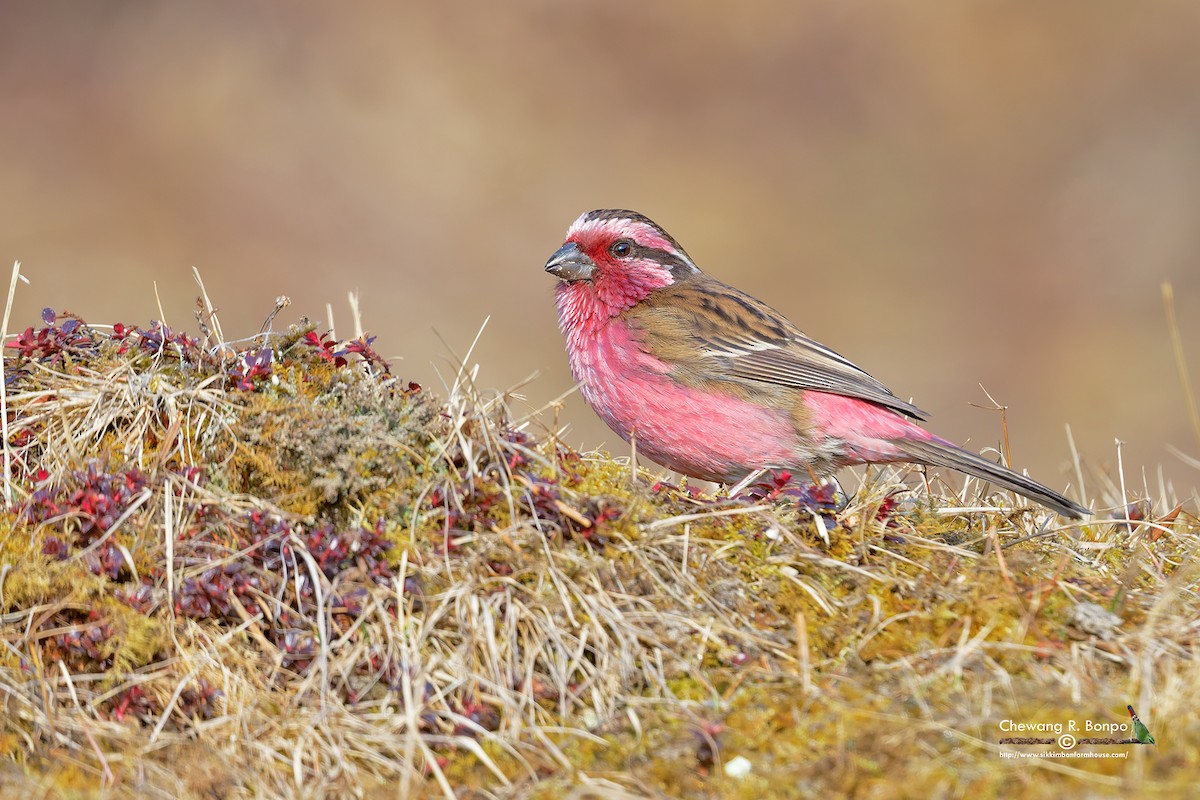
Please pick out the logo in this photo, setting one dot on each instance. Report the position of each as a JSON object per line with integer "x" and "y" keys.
{"x": 1139, "y": 730}
{"x": 1070, "y": 734}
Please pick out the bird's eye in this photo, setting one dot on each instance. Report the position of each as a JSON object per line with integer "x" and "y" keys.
{"x": 621, "y": 248}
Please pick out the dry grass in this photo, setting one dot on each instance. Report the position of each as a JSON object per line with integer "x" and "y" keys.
{"x": 318, "y": 581}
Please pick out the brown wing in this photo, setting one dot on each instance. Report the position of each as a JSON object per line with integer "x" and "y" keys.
{"x": 704, "y": 326}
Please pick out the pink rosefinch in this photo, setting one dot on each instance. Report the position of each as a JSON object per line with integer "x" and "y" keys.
{"x": 715, "y": 384}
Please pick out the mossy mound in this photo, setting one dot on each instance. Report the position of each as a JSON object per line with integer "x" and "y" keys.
{"x": 279, "y": 570}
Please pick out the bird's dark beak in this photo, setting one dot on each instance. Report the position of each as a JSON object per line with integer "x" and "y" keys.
{"x": 571, "y": 264}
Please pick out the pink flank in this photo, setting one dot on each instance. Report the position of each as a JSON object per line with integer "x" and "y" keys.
{"x": 864, "y": 427}
{"x": 703, "y": 434}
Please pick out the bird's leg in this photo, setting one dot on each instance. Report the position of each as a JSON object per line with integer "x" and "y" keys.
{"x": 812, "y": 474}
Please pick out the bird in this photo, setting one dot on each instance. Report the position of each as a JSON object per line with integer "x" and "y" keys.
{"x": 709, "y": 382}
{"x": 1140, "y": 731}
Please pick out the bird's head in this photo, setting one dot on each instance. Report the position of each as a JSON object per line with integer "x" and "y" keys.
{"x": 617, "y": 258}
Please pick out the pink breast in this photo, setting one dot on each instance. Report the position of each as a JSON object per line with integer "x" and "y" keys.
{"x": 707, "y": 435}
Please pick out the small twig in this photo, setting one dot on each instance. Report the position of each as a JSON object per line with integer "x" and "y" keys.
{"x": 1078, "y": 465}
{"x": 108, "y": 777}
{"x": 687, "y": 535}
{"x": 212, "y": 312}
{"x": 356, "y": 312}
{"x": 994, "y": 535}
{"x": 162, "y": 315}
{"x": 802, "y": 649}
{"x": 1124, "y": 495}
{"x": 741, "y": 485}
{"x": 170, "y": 706}
{"x": 681, "y": 518}
{"x": 281, "y": 302}
{"x": 169, "y": 543}
{"x": 1003, "y": 425}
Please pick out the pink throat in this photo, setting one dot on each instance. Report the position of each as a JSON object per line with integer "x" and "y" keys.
{"x": 610, "y": 293}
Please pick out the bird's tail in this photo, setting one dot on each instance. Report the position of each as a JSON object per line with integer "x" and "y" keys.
{"x": 940, "y": 453}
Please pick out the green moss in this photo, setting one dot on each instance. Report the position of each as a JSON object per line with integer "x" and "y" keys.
{"x": 351, "y": 450}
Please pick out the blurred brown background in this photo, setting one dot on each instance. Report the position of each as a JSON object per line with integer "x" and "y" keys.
{"x": 948, "y": 193}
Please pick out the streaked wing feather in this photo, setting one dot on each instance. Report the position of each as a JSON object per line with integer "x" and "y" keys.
{"x": 801, "y": 363}
{"x": 750, "y": 341}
